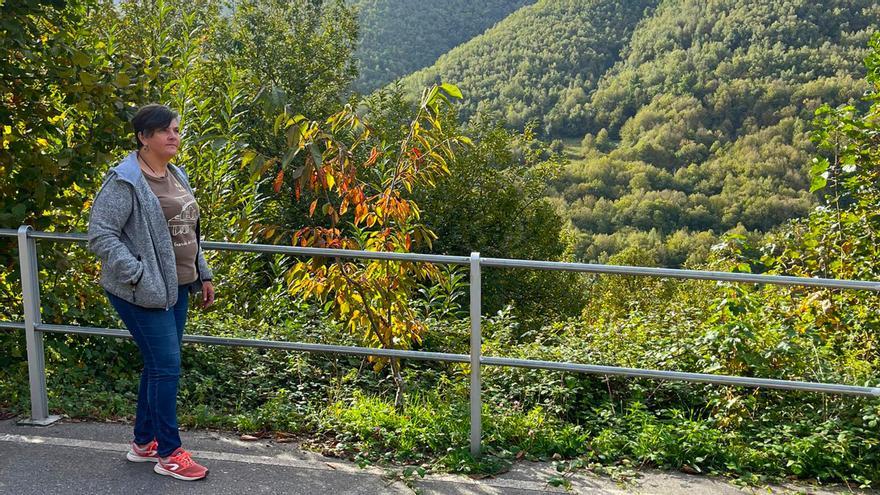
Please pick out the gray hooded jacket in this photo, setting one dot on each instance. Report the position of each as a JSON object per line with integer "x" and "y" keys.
{"x": 128, "y": 232}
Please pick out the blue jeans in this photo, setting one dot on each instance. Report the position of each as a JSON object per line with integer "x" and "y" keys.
{"x": 158, "y": 334}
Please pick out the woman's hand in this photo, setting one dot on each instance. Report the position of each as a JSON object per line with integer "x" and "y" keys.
{"x": 207, "y": 293}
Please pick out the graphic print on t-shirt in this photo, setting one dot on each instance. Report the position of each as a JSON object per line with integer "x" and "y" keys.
{"x": 181, "y": 213}
{"x": 183, "y": 225}
{"x": 184, "y": 222}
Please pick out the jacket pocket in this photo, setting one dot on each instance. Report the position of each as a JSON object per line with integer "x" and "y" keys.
{"x": 150, "y": 287}
{"x": 136, "y": 282}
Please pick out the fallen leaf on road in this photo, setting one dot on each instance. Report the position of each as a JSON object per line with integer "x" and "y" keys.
{"x": 689, "y": 470}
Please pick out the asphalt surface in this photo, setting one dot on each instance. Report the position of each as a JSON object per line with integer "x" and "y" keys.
{"x": 89, "y": 458}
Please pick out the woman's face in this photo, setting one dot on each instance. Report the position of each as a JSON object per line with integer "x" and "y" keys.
{"x": 164, "y": 142}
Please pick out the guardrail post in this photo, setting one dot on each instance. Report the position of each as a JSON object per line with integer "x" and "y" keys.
{"x": 30, "y": 285}
{"x": 476, "y": 401}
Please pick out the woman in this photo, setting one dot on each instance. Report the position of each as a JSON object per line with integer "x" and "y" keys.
{"x": 144, "y": 226}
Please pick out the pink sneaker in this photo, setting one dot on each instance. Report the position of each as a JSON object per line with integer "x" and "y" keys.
{"x": 147, "y": 453}
{"x": 181, "y": 466}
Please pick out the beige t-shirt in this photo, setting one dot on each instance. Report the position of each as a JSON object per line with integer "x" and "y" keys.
{"x": 181, "y": 213}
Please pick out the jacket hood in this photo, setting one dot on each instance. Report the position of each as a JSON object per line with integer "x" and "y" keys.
{"x": 129, "y": 169}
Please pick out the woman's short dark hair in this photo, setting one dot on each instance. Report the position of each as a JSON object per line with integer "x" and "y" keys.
{"x": 151, "y": 118}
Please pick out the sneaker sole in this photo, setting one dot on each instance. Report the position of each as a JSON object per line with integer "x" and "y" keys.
{"x": 131, "y": 456}
{"x": 159, "y": 469}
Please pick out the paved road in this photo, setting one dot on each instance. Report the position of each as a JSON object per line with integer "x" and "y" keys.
{"x": 88, "y": 458}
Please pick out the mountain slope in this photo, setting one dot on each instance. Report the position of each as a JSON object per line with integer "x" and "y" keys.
{"x": 401, "y": 36}
{"x": 741, "y": 58}
{"x": 537, "y": 61}
{"x": 694, "y": 115}
{"x": 708, "y": 113}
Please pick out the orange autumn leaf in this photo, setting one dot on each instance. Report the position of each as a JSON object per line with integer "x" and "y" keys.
{"x": 279, "y": 179}
{"x": 374, "y": 154}
{"x": 360, "y": 211}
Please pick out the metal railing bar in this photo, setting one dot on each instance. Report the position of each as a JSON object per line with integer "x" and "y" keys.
{"x": 12, "y": 325}
{"x": 337, "y": 253}
{"x": 293, "y": 250}
{"x": 270, "y": 344}
{"x": 476, "y": 353}
{"x": 494, "y": 361}
{"x": 59, "y": 236}
{"x": 28, "y": 262}
{"x": 515, "y": 263}
{"x": 683, "y": 376}
{"x": 679, "y": 273}
{"x": 8, "y": 233}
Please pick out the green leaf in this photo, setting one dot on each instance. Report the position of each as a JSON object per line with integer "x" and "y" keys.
{"x": 80, "y": 58}
{"x": 452, "y": 90}
{"x": 820, "y": 165}
{"x": 316, "y": 154}
{"x": 122, "y": 79}
{"x": 277, "y": 124}
{"x": 818, "y": 172}
{"x": 558, "y": 481}
{"x": 288, "y": 157}
{"x": 431, "y": 99}
{"x": 248, "y": 157}
{"x": 87, "y": 79}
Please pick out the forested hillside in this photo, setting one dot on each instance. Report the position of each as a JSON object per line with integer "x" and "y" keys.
{"x": 538, "y": 59}
{"x": 402, "y": 36}
{"x": 683, "y": 121}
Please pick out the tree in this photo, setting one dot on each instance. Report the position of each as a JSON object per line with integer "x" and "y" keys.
{"x": 366, "y": 202}
{"x": 298, "y": 55}
{"x": 493, "y": 201}
{"x": 840, "y": 240}
{"x": 67, "y": 95}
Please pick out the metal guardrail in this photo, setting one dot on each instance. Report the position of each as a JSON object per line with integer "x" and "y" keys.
{"x": 34, "y": 328}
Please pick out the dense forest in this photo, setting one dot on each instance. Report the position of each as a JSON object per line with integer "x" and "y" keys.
{"x": 729, "y": 136}
{"x": 398, "y": 37}
{"x": 684, "y": 120}
{"x": 555, "y": 53}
